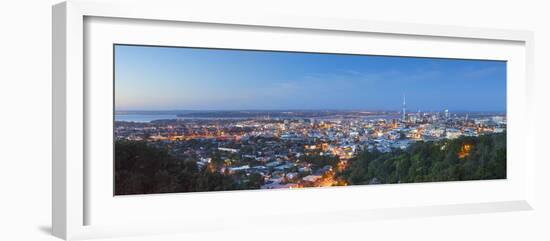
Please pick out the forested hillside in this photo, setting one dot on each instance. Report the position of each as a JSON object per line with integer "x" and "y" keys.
{"x": 465, "y": 158}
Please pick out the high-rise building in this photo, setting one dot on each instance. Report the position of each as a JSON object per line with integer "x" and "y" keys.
{"x": 404, "y": 112}
{"x": 447, "y": 114}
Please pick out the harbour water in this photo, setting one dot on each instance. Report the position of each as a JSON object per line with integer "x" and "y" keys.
{"x": 143, "y": 117}
{"x": 148, "y": 117}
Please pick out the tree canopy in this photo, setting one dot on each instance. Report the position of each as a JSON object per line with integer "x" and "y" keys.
{"x": 465, "y": 158}
{"x": 144, "y": 169}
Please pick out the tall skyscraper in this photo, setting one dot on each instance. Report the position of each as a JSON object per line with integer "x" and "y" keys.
{"x": 404, "y": 118}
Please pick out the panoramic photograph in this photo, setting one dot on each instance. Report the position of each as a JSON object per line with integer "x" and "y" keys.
{"x": 203, "y": 119}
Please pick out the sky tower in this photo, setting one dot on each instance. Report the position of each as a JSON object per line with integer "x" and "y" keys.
{"x": 404, "y": 109}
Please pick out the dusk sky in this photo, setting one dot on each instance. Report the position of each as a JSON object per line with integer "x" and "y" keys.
{"x": 168, "y": 78}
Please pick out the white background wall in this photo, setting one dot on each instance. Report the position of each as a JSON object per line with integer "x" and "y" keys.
{"x": 25, "y": 119}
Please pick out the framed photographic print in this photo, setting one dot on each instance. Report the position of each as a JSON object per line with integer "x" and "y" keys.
{"x": 196, "y": 119}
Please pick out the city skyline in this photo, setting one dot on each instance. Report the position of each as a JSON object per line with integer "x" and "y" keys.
{"x": 176, "y": 79}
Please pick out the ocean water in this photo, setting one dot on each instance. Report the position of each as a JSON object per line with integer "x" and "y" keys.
{"x": 151, "y": 117}
{"x": 143, "y": 117}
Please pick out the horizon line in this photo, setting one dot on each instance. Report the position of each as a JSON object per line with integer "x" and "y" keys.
{"x": 304, "y": 109}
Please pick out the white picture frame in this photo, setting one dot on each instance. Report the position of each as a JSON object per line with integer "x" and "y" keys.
{"x": 73, "y": 186}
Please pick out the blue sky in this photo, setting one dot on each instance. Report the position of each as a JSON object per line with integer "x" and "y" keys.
{"x": 168, "y": 78}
